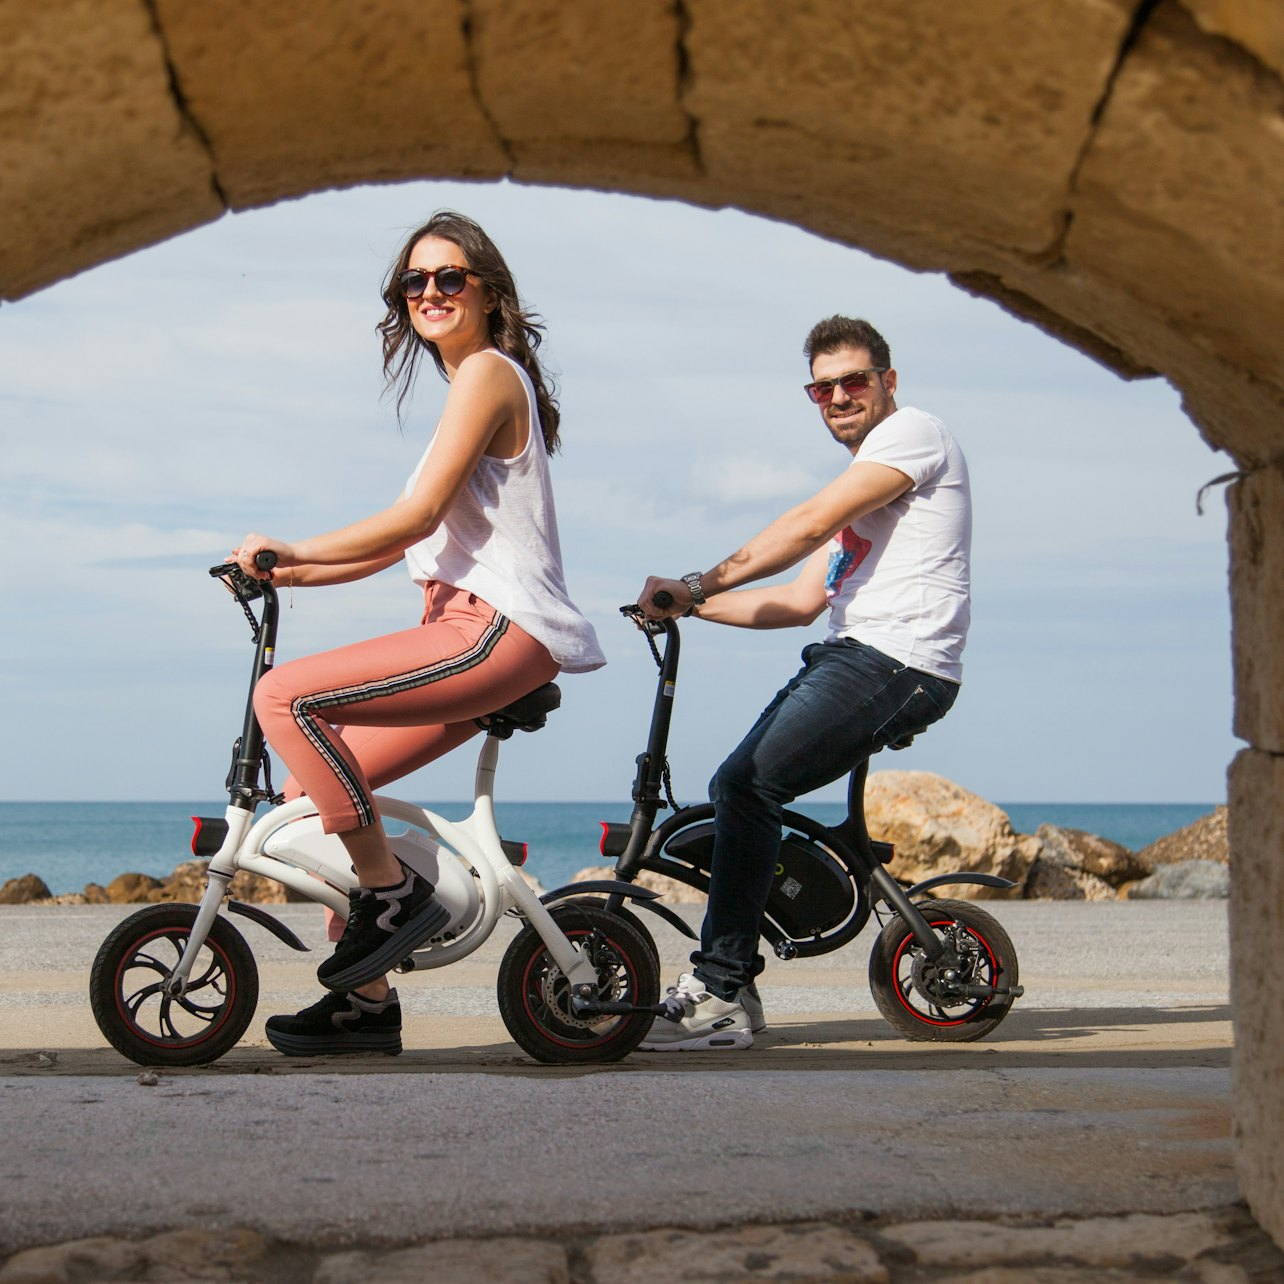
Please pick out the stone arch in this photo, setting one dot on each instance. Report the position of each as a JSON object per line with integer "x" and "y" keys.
{"x": 1112, "y": 170}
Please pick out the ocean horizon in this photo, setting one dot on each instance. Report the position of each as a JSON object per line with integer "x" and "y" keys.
{"x": 69, "y": 844}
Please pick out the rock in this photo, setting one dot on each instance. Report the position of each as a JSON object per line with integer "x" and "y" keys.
{"x": 21, "y": 891}
{"x": 95, "y": 894}
{"x": 669, "y": 890}
{"x": 937, "y": 826}
{"x": 187, "y": 884}
{"x": 1190, "y": 880}
{"x": 1206, "y": 839}
{"x": 127, "y": 889}
{"x": 1103, "y": 859}
{"x": 1049, "y": 880}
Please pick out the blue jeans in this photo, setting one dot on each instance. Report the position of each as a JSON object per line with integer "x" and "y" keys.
{"x": 845, "y": 703}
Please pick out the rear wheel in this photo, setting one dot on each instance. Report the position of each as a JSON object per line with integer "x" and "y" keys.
{"x": 535, "y": 996}
{"x": 913, "y": 993}
{"x": 127, "y": 989}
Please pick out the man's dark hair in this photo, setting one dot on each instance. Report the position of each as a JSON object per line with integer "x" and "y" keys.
{"x": 846, "y": 332}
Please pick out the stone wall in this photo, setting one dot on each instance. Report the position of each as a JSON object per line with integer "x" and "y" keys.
{"x": 1113, "y": 170}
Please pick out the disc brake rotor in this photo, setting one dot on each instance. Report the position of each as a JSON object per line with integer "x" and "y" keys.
{"x": 556, "y": 990}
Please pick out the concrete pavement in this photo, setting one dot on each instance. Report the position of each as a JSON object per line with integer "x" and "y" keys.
{"x": 1106, "y": 1092}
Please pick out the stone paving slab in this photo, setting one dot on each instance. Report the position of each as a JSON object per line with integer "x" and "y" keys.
{"x": 1218, "y": 1246}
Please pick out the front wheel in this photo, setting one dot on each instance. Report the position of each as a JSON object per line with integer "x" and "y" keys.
{"x": 153, "y": 1028}
{"x": 535, "y": 996}
{"x": 917, "y": 999}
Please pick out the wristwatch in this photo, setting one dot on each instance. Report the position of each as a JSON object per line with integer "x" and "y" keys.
{"x": 696, "y": 589}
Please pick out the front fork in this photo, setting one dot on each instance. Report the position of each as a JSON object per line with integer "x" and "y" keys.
{"x": 949, "y": 967}
{"x": 238, "y": 822}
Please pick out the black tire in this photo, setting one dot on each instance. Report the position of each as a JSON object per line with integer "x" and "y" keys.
{"x": 149, "y": 1027}
{"x": 903, "y": 981}
{"x": 534, "y": 996}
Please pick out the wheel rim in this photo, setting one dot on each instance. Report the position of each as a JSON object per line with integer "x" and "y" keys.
{"x": 915, "y": 977}
{"x": 546, "y": 993}
{"x": 156, "y": 1017}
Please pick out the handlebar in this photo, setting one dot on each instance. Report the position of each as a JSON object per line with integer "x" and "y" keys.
{"x": 244, "y": 586}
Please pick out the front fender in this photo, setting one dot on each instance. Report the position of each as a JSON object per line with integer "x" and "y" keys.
{"x": 985, "y": 880}
{"x": 273, "y": 925}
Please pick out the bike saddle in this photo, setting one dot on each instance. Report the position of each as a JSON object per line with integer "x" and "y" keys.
{"x": 903, "y": 743}
{"x": 527, "y": 714}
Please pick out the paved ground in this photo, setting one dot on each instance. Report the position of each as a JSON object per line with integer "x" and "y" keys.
{"x": 1106, "y": 1092}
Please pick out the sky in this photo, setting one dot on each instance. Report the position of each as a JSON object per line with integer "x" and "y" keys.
{"x": 155, "y": 409}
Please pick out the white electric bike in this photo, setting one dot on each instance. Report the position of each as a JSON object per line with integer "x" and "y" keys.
{"x": 177, "y": 985}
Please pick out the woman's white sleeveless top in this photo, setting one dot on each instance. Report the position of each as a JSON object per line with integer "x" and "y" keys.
{"x": 499, "y": 540}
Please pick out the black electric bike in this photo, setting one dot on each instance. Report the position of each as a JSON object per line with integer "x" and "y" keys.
{"x": 940, "y": 970}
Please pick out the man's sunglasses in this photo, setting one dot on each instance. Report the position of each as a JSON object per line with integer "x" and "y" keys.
{"x": 450, "y": 281}
{"x": 822, "y": 391}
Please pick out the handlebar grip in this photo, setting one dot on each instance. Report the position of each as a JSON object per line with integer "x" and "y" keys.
{"x": 663, "y": 599}
{"x": 265, "y": 560}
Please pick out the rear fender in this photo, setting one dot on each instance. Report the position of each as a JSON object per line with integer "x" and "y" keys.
{"x": 642, "y": 897}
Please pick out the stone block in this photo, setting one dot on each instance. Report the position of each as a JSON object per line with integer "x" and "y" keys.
{"x": 800, "y": 1252}
{"x": 1256, "y": 26}
{"x": 96, "y": 156}
{"x": 1257, "y": 990}
{"x": 586, "y": 94}
{"x": 295, "y": 97}
{"x": 1257, "y": 606}
{"x": 457, "y": 1261}
{"x": 1186, "y": 105}
{"x": 1138, "y": 1240}
{"x": 579, "y": 71}
{"x": 849, "y": 108}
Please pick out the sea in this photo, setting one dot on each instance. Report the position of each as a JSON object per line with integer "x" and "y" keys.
{"x": 69, "y": 844}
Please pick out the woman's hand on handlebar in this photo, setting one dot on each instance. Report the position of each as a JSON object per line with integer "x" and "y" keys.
{"x": 675, "y": 591}
{"x": 258, "y": 555}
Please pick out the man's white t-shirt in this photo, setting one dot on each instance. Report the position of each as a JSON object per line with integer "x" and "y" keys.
{"x": 898, "y": 578}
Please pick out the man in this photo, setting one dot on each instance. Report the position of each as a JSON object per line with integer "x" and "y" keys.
{"x": 885, "y": 546}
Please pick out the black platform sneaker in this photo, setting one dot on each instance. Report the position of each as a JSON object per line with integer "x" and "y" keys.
{"x": 339, "y": 1023}
{"x": 385, "y": 925}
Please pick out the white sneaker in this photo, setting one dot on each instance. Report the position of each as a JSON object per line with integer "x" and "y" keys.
{"x": 704, "y": 1021}
{"x": 751, "y": 1001}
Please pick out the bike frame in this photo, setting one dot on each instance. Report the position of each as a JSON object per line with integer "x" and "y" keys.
{"x": 848, "y": 843}
{"x": 321, "y": 871}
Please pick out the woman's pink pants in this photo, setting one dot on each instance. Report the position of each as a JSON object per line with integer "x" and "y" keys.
{"x": 349, "y": 721}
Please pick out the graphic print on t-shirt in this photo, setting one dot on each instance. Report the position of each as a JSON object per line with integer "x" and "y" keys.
{"x": 850, "y": 553}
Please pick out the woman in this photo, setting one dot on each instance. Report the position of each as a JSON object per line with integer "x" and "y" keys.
{"x": 477, "y": 529}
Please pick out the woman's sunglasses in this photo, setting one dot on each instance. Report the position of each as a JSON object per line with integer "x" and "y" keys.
{"x": 822, "y": 391}
{"x": 450, "y": 281}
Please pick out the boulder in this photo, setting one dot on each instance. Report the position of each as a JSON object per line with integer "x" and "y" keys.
{"x": 187, "y": 884}
{"x": 95, "y": 894}
{"x": 669, "y": 890}
{"x": 21, "y": 891}
{"x": 1050, "y": 880}
{"x": 1205, "y": 840}
{"x": 938, "y": 827}
{"x": 1186, "y": 880}
{"x": 127, "y": 889}
{"x": 1099, "y": 857}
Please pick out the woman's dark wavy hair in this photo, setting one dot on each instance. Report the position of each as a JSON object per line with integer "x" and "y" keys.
{"x": 513, "y": 330}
